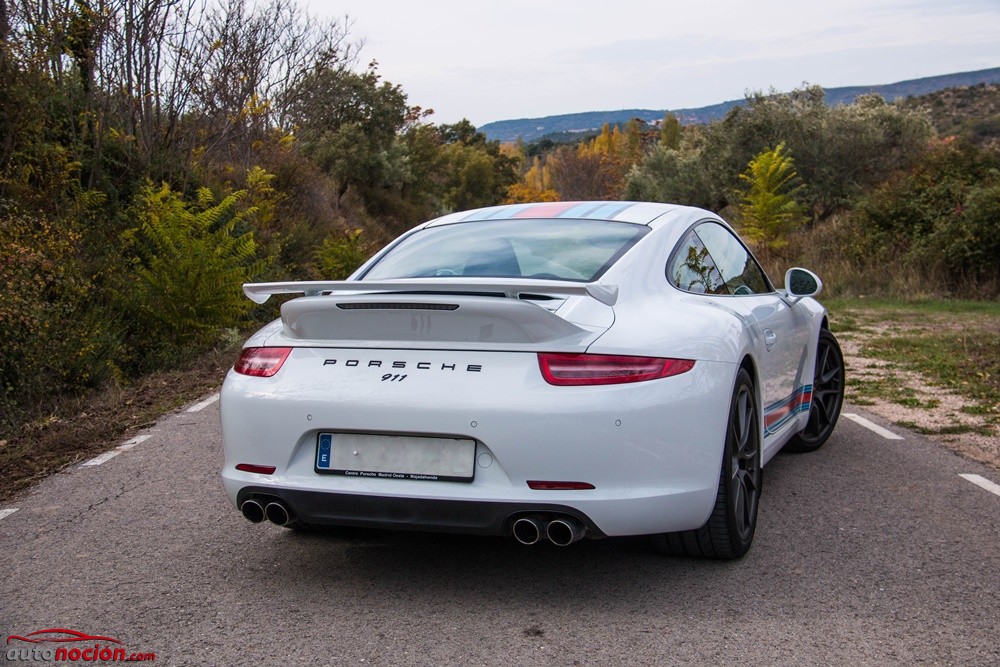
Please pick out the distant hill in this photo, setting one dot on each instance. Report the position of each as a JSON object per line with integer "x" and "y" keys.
{"x": 531, "y": 129}
{"x": 972, "y": 112}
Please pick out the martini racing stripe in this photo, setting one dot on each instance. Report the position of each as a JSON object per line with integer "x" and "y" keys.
{"x": 574, "y": 210}
{"x": 780, "y": 412}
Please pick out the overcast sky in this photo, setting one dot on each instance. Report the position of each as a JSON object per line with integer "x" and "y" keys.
{"x": 507, "y": 59}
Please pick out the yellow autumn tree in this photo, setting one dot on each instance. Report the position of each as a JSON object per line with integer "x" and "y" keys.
{"x": 768, "y": 211}
{"x": 535, "y": 185}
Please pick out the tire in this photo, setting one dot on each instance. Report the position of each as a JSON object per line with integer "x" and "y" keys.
{"x": 827, "y": 396}
{"x": 729, "y": 531}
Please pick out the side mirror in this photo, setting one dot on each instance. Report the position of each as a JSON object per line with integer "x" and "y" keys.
{"x": 801, "y": 283}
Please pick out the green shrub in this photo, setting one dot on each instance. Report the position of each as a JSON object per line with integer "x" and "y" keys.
{"x": 668, "y": 175}
{"x": 55, "y": 338}
{"x": 942, "y": 218}
{"x": 190, "y": 261}
{"x": 339, "y": 257}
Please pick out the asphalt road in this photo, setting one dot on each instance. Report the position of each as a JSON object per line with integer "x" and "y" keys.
{"x": 868, "y": 552}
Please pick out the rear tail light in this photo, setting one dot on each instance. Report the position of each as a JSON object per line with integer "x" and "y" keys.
{"x": 261, "y": 361}
{"x": 591, "y": 369}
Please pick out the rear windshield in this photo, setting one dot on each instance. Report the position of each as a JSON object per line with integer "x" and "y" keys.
{"x": 577, "y": 250}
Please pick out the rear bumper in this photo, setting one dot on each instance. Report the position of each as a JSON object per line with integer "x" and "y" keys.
{"x": 443, "y": 516}
{"x": 652, "y": 450}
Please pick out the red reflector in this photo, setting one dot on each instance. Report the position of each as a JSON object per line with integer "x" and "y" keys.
{"x": 261, "y": 361}
{"x": 250, "y": 467}
{"x": 588, "y": 369}
{"x": 538, "y": 485}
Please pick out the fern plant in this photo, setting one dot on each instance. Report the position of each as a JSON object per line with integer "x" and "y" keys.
{"x": 190, "y": 263}
{"x": 768, "y": 211}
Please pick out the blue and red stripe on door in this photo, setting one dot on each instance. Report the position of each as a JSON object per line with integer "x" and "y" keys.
{"x": 779, "y": 413}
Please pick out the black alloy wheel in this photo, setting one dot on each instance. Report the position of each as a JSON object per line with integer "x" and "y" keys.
{"x": 729, "y": 531}
{"x": 744, "y": 465}
{"x": 827, "y": 396}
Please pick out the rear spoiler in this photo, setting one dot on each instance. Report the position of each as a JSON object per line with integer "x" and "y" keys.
{"x": 511, "y": 287}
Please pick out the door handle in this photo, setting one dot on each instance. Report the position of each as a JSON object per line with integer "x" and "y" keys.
{"x": 770, "y": 338}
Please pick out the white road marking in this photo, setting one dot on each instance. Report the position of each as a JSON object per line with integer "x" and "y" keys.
{"x": 871, "y": 426}
{"x": 124, "y": 447}
{"x": 983, "y": 483}
{"x": 6, "y": 513}
{"x": 129, "y": 444}
{"x": 198, "y": 407}
{"x": 103, "y": 458}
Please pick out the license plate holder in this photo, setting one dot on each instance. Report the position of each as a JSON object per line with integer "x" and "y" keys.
{"x": 417, "y": 458}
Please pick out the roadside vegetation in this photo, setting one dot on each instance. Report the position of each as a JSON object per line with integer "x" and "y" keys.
{"x": 930, "y": 365}
{"x": 954, "y": 343}
{"x": 154, "y": 155}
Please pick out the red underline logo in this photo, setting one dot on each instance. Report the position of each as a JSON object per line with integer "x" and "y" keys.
{"x": 81, "y": 647}
{"x": 74, "y": 636}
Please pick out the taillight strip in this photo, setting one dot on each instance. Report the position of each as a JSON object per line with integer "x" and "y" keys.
{"x": 261, "y": 361}
{"x": 596, "y": 369}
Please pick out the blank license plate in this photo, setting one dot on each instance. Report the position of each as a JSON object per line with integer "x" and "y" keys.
{"x": 396, "y": 457}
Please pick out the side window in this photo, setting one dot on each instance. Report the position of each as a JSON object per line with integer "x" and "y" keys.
{"x": 740, "y": 271}
{"x": 693, "y": 270}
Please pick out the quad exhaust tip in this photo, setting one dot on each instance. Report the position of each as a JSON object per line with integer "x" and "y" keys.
{"x": 529, "y": 530}
{"x": 564, "y": 531}
{"x": 277, "y": 514}
{"x": 560, "y": 530}
{"x": 252, "y": 511}
{"x": 255, "y": 510}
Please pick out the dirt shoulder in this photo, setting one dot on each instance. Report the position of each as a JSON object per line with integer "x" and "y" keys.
{"x": 936, "y": 411}
{"x": 82, "y": 427}
{"x": 933, "y": 371}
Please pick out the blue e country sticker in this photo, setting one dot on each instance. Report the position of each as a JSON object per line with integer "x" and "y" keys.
{"x": 323, "y": 451}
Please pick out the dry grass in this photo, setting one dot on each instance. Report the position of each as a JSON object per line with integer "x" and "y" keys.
{"x": 931, "y": 366}
{"x": 849, "y": 269}
{"x": 87, "y": 425}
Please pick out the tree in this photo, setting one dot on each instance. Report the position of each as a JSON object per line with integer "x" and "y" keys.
{"x": 535, "y": 185}
{"x": 474, "y": 172}
{"x": 582, "y": 175}
{"x": 670, "y": 132}
{"x": 668, "y": 175}
{"x": 768, "y": 211}
{"x": 941, "y": 218}
{"x": 631, "y": 152}
{"x": 348, "y": 122}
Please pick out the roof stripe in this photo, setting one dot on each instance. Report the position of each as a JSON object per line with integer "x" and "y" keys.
{"x": 581, "y": 210}
{"x": 491, "y": 213}
{"x": 643, "y": 212}
{"x": 635, "y": 212}
{"x": 547, "y": 210}
{"x": 609, "y": 211}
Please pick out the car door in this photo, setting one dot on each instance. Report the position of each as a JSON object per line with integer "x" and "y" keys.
{"x": 780, "y": 331}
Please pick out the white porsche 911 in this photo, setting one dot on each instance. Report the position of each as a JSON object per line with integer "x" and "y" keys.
{"x": 547, "y": 371}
